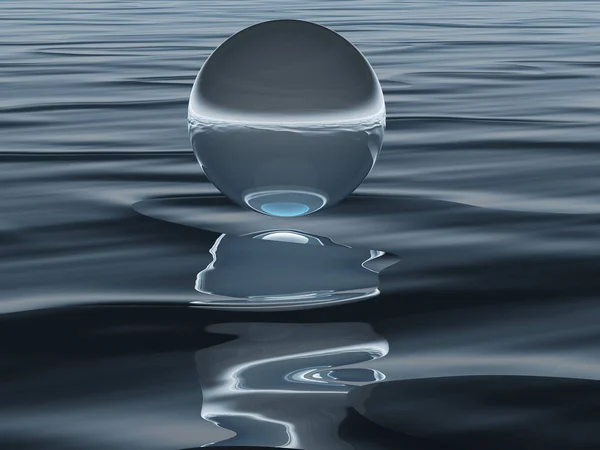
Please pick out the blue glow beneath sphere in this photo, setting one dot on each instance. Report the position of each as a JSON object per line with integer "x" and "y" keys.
{"x": 285, "y": 209}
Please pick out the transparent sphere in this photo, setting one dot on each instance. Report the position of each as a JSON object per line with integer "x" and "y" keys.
{"x": 286, "y": 117}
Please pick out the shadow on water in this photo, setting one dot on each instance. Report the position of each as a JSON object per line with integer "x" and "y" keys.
{"x": 492, "y": 412}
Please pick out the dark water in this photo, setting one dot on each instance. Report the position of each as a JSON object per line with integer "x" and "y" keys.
{"x": 485, "y": 334}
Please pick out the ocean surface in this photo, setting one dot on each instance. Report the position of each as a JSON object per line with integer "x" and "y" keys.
{"x": 485, "y": 334}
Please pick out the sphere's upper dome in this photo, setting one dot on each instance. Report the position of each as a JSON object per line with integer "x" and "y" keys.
{"x": 286, "y": 69}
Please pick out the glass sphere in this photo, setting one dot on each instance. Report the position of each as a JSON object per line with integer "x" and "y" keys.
{"x": 286, "y": 117}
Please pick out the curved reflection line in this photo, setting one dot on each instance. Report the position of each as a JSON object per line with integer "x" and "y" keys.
{"x": 303, "y": 375}
{"x": 323, "y": 241}
{"x": 223, "y": 302}
{"x": 289, "y": 428}
{"x": 290, "y": 236}
{"x": 294, "y": 296}
{"x": 376, "y": 349}
{"x": 257, "y": 195}
{"x": 374, "y": 255}
{"x": 196, "y": 119}
{"x": 210, "y": 267}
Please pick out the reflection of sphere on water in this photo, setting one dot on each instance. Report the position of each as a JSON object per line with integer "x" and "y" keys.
{"x": 264, "y": 384}
{"x": 286, "y": 117}
{"x": 285, "y": 269}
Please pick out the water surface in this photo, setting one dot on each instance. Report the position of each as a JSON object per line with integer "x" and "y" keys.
{"x": 487, "y": 188}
